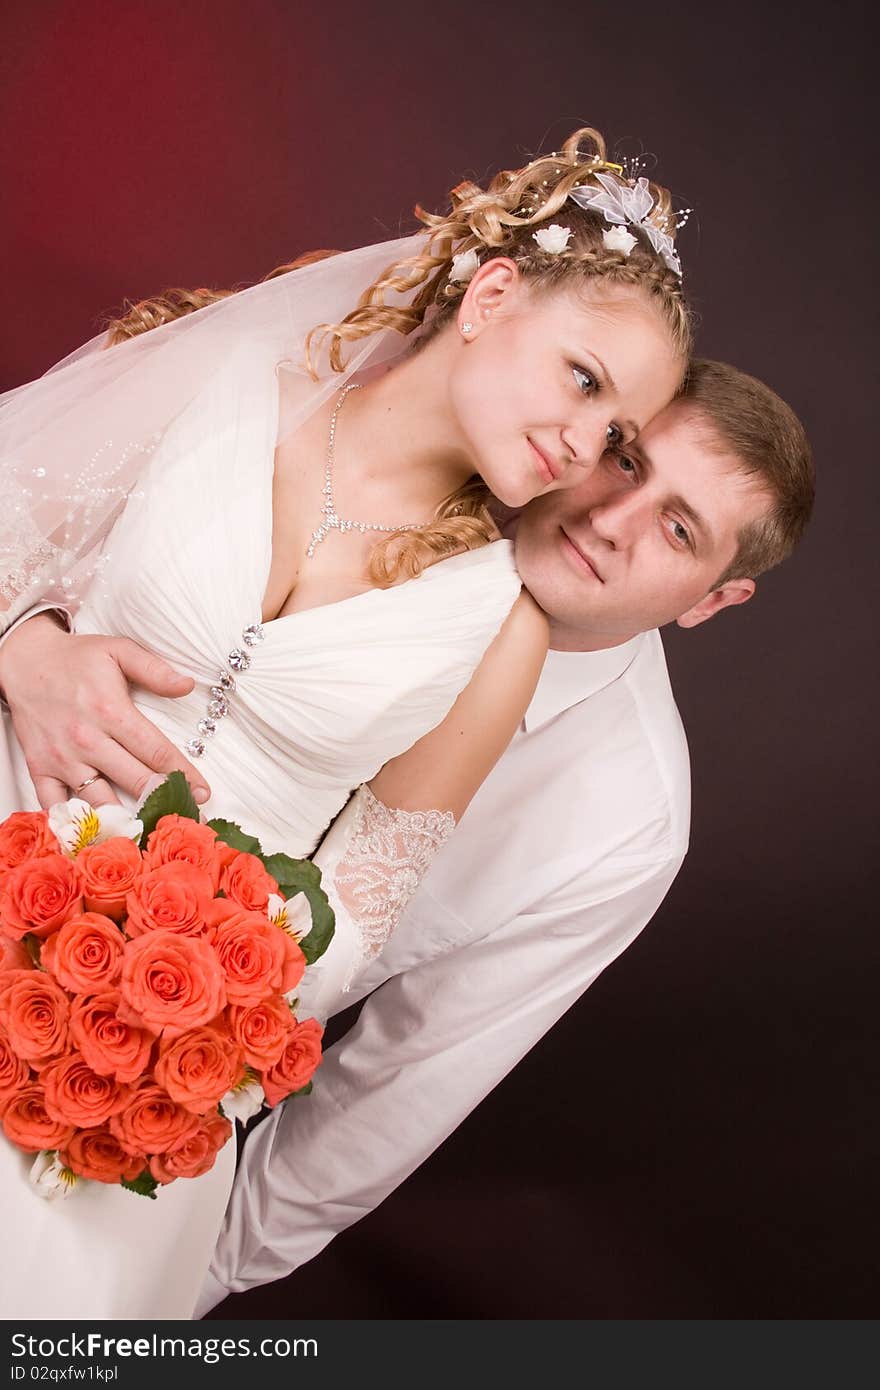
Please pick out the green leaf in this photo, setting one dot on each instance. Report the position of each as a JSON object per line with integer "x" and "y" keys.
{"x": 144, "y": 1184}
{"x": 315, "y": 944}
{"x": 305, "y": 1090}
{"x": 302, "y": 876}
{"x": 293, "y": 874}
{"x": 172, "y": 798}
{"x": 233, "y": 835}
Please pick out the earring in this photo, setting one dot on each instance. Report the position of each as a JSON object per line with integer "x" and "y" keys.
{"x": 467, "y": 327}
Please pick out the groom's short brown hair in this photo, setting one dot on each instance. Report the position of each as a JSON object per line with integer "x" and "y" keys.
{"x": 747, "y": 420}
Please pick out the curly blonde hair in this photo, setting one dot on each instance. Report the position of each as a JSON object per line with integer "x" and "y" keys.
{"x": 496, "y": 221}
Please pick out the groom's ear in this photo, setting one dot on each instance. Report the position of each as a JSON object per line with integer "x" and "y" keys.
{"x": 733, "y": 592}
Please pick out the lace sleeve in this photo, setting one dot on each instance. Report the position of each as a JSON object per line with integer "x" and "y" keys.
{"x": 388, "y": 854}
{"x": 371, "y": 862}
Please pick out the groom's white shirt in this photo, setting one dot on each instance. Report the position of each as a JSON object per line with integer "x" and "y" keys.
{"x": 562, "y": 858}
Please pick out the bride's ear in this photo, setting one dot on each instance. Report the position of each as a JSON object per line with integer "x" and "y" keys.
{"x": 734, "y": 592}
{"x": 494, "y": 283}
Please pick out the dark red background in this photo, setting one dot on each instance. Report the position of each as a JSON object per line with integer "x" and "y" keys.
{"x": 698, "y": 1138}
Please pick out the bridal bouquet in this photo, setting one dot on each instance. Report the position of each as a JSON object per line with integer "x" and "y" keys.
{"x": 148, "y": 975}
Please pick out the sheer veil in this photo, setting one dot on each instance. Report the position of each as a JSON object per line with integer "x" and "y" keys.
{"x": 76, "y": 441}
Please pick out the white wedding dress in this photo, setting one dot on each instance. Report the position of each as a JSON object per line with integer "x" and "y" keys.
{"x": 322, "y": 698}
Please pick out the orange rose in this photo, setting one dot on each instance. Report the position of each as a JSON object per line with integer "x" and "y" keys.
{"x": 39, "y": 895}
{"x": 261, "y": 1030}
{"x": 244, "y": 879}
{"x": 199, "y": 1067}
{"x": 172, "y": 898}
{"x": 196, "y": 1155}
{"x": 27, "y": 1123}
{"x": 178, "y": 837}
{"x": 25, "y": 835}
{"x": 98, "y": 1154}
{"x": 297, "y": 1063}
{"x": 14, "y": 955}
{"x": 86, "y": 954}
{"x": 34, "y": 1011}
{"x": 170, "y": 983}
{"x": 109, "y": 1046}
{"x": 14, "y": 1073}
{"x": 109, "y": 871}
{"x": 152, "y": 1122}
{"x": 258, "y": 958}
{"x": 76, "y": 1095}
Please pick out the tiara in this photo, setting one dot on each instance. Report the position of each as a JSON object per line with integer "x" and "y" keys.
{"x": 623, "y": 201}
{"x": 630, "y": 204}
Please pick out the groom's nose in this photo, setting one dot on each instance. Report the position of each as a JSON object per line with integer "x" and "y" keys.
{"x": 620, "y": 517}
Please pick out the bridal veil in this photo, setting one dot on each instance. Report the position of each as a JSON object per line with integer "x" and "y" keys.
{"x": 74, "y": 442}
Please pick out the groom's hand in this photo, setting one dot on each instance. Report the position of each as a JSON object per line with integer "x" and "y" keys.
{"x": 72, "y": 712}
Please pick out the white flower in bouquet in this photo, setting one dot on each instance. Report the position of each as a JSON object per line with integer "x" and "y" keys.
{"x": 77, "y": 824}
{"x": 50, "y": 1178}
{"x": 553, "y": 239}
{"x": 244, "y": 1100}
{"x": 293, "y": 916}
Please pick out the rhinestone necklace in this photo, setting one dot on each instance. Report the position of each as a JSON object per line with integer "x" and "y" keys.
{"x": 332, "y": 521}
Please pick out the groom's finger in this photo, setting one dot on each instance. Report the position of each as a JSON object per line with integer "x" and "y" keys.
{"x": 127, "y": 771}
{"x": 145, "y": 668}
{"x": 98, "y": 793}
{"x": 49, "y": 790}
{"x": 141, "y": 750}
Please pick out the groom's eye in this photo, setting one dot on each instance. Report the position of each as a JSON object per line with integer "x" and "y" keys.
{"x": 681, "y": 535}
{"x": 622, "y": 462}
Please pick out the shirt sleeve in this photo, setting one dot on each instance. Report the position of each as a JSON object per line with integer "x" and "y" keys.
{"x": 430, "y": 1043}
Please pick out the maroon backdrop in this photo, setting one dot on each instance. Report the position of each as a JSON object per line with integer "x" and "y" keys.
{"x": 696, "y": 1138}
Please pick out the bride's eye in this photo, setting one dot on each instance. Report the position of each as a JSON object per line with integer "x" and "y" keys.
{"x": 587, "y": 383}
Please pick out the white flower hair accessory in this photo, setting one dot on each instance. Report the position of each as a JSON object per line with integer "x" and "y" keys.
{"x": 618, "y": 239}
{"x": 620, "y": 203}
{"x": 464, "y": 266}
{"x": 552, "y": 239}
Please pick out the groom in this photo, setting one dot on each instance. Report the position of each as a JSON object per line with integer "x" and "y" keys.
{"x": 568, "y": 848}
{"x": 570, "y": 845}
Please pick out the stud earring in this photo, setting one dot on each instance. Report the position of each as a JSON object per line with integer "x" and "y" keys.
{"x": 467, "y": 328}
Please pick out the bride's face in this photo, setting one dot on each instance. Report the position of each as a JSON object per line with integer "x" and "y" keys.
{"x": 545, "y": 381}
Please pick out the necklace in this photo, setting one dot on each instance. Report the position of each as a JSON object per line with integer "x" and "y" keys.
{"x": 332, "y": 521}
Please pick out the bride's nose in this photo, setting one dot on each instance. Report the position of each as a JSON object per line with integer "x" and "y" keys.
{"x": 584, "y": 445}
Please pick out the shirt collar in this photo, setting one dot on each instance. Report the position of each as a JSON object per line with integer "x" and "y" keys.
{"x": 569, "y": 677}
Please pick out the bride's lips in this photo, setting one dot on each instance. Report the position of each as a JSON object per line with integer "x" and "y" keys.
{"x": 578, "y": 556}
{"x": 548, "y": 469}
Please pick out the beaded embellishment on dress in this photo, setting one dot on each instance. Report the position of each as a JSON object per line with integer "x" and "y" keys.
{"x": 218, "y": 705}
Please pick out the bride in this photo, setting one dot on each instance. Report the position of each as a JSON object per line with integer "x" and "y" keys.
{"x": 230, "y": 491}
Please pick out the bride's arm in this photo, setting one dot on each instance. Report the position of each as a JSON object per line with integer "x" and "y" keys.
{"x": 382, "y": 844}
{"x": 447, "y": 766}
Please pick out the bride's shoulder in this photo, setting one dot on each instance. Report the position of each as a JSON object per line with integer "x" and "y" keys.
{"x": 496, "y": 557}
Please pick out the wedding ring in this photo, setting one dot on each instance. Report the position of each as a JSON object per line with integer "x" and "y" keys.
{"x": 87, "y": 783}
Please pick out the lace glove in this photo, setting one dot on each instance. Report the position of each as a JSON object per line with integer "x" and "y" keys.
{"x": 372, "y": 861}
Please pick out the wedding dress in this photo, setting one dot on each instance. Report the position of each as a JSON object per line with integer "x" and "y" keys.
{"x": 317, "y": 701}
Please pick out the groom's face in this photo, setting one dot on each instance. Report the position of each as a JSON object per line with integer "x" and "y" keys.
{"x": 643, "y": 540}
